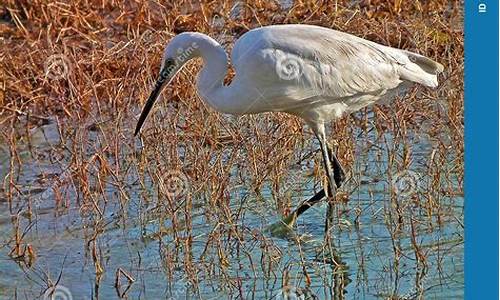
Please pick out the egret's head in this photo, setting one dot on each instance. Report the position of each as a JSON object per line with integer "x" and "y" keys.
{"x": 179, "y": 50}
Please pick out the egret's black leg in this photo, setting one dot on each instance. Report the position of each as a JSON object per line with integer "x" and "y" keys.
{"x": 310, "y": 202}
{"x": 330, "y": 188}
{"x": 338, "y": 170}
{"x": 339, "y": 177}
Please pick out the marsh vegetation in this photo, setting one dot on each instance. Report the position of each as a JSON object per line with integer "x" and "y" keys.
{"x": 182, "y": 211}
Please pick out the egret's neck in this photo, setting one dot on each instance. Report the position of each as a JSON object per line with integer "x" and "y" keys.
{"x": 210, "y": 82}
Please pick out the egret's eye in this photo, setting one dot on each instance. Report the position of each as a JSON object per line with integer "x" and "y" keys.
{"x": 167, "y": 69}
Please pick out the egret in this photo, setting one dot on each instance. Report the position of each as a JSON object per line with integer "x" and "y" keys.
{"x": 312, "y": 72}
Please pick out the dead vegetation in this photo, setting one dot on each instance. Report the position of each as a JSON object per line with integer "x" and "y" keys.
{"x": 201, "y": 185}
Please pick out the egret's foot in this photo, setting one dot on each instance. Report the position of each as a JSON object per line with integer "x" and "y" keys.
{"x": 284, "y": 227}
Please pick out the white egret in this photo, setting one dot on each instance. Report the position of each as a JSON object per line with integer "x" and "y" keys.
{"x": 315, "y": 73}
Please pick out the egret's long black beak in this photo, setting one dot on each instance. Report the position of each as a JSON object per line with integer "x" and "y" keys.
{"x": 160, "y": 83}
{"x": 149, "y": 104}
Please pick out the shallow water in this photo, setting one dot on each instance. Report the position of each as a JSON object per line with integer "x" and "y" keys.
{"x": 374, "y": 262}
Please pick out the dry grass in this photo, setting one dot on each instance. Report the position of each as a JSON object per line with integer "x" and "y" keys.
{"x": 107, "y": 54}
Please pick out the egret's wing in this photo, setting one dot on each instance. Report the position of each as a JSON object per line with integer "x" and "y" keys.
{"x": 335, "y": 63}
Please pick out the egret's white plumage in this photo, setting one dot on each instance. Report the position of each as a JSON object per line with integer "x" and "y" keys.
{"x": 338, "y": 72}
{"x": 316, "y": 73}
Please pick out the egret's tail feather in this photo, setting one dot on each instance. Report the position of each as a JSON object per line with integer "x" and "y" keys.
{"x": 421, "y": 69}
{"x": 425, "y": 63}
